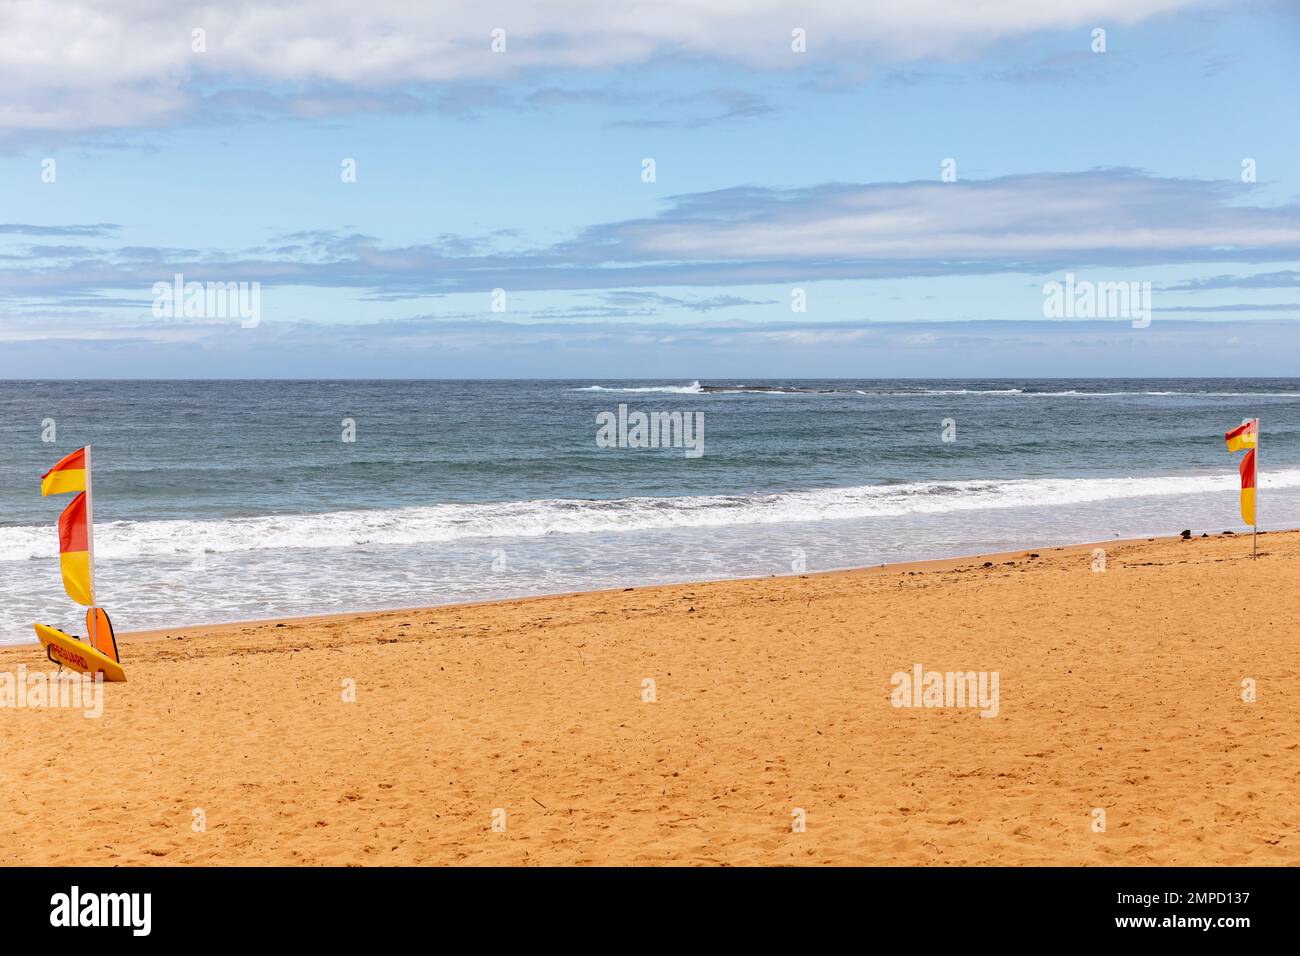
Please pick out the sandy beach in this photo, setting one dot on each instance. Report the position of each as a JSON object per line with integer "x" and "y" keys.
{"x": 1119, "y": 691}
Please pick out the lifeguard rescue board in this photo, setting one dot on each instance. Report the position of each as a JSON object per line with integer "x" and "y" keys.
{"x": 70, "y": 652}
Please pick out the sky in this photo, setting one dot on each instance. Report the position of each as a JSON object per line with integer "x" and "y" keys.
{"x": 677, "y": 190}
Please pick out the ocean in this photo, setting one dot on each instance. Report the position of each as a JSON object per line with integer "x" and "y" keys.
{"x": 233, "y": 500}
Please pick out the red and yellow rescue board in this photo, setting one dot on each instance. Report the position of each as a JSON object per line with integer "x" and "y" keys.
{"x": 70, "y": 652}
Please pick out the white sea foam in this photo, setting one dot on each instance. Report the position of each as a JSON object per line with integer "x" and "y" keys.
{"x": 458, "y": 522}
{"x": 1075, "y": 392}
{"x": 695, "y": 388}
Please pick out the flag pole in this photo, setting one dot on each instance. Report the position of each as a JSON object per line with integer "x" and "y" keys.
{"x": 90, "y": 532}
{"x": 1245, "y": 437}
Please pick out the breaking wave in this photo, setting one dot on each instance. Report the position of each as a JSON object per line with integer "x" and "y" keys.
{"x": 534, "y": 518}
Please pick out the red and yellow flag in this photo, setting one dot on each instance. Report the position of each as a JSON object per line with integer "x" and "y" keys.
{"x": 74, "y": 552}
{"x": 67, "y": 476}
{"x": 1246, "y": 436}
{"x": 1248, "y": 487}
{"x": 76, "y": 531}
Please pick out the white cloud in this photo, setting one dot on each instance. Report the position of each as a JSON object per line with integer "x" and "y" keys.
{"x": 72, "y": 65}
{"x": 731, "y": 238}
{"x": 1112, "y": 215}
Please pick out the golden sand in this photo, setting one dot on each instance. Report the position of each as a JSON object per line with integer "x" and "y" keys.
{"x": 1119, "y": 691}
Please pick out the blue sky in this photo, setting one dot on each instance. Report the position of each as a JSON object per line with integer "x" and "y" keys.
{"x": 775, "y": 171}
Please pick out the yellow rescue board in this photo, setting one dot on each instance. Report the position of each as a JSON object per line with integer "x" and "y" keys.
{"x": 70, "y": 652}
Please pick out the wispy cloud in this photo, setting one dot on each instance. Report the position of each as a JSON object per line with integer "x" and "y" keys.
{"x": 101, "y": 229}
{"x": 720, "y": 106}
{"x": 1290, "y": 307}
{"x": 712, "y": 303}
{"x": 1281, "y": 279}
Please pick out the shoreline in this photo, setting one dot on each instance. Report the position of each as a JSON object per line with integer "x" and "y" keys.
{"x": 924, "y": 564}
{"x": 407, "y": 569}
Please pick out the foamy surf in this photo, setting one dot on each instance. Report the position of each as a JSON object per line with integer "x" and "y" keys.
{"x": 538, "y": 518}
{"x": 696, "y": 388}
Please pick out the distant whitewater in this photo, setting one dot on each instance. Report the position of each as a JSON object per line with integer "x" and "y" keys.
{"x": 695, "y": 388}
{"x": 221, "y": 501}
